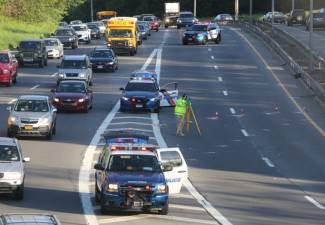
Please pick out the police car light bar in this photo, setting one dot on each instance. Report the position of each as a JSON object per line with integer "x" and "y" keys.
{"x": 131, "y": 147}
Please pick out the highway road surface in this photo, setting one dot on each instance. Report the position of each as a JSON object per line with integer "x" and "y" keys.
{"x": 259, "y": 161}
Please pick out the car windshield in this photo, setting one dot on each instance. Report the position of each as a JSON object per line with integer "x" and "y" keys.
{"x": 102, "y": 54}
{"x": 133, "y": 86}
{"x": 149, "y": 18}
{"x": 134, "y": 163}
{"x": 51, "y": 43}
{"x": 141, "y": 28}
{"x": 72, "y": 88}
{"x": 186, "y": 15}
{"x": 63, "y": 33}
{"x": 30, "y": 45}
{"x": 278, "y": 14}
{"x": 298, "y": 13}
{"x": 92, "y": 26}
{"x": 4, "y": 58}
{"x": 79, "y": 28}
{"x": 9, "y": 153}
{"x": 198, "y": 28}
{"x": 73, "y": 64}
{"x": 24, "y": 105}
{"x": 121, "y": 33}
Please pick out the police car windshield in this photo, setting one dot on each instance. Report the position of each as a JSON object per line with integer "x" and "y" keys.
{"x": 198, "y": 28}
{"x": 134, "y": 163}
{"x": 149, "y": 87}
{"x": 72, "y": 88}
{"x": 24, "y": 105}
{"x": 9, "y": 153}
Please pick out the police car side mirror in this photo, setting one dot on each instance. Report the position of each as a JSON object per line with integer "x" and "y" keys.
{"x": 167, "y": 168}
{"x": 98, "y": 167}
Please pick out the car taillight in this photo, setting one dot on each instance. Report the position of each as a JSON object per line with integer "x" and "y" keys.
{"x": 133, "y": 100}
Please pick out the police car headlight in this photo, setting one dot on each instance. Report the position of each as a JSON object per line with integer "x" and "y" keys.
{"x": 56, "y": 99}
{"x": 61, "y": 75}
{"x": 82, "y": 75}
{"x": 161, "y": 188}
{"x": 112, "y": 188}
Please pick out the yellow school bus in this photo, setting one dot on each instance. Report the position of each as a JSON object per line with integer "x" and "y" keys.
{"x": 122, "y": 35}
{"x": 106, "y": 15}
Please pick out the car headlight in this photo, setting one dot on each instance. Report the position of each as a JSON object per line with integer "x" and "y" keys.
{"x": 81, "y": 100}
{"x": 167, "y": 20}
{"x": 125, "y": 98}
{"x": 61, "y": 75}
{"x": 13, "y": 175}
{"x": 112, "y": 188}
{"x": 162, "y": 188}
{"x": 56, "y": 99}
{"x": 44, "y": 121}
{"x": 6, "y": 71}
{"x": 12, "y": 119}
{"x": 299, "y": 18}
{"x": 179, "y": 21}
{"x": 70, "y": 39}
{"x": 130, "y": 44}
{"x": 82, "y": 75}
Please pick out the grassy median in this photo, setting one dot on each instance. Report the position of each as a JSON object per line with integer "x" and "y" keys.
{"x": 12, "y": 31}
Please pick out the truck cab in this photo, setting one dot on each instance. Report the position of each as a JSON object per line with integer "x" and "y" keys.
{"x": 122, "y": 35}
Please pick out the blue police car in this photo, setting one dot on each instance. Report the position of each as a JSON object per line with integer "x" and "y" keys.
{"x": 202, "y": 33}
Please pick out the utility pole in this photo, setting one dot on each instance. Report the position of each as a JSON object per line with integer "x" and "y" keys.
{"x": 91, "y": 11}
{"x": 311, "y": 30}
{"x": 194, "y": 8}
{"x": 273, "y": 6}
{"x": 236, "y": 9}
{"x": 293, "y": 4}
{"x": 251, "y": 11}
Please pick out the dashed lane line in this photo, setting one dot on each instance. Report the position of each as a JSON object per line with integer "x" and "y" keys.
{"x": 131, "y": 117}
{"x": 186, "y": 207}
{"x": 233, "y": 111}
{"x": 212, "y": 57}
{"x": 225, "y": 93}
{"x": 244, "y": 132}
{"x": 135, "y": 129}
{"x": 268, "y": 162}
{"x": 36, "y": 86}
{"x": 216, "y": 67}
{"x": 314, "y": 202}
{"x": 220, "y": 79}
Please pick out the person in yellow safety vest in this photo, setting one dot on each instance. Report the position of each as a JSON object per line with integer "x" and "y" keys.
{"x": 180, "y": 112}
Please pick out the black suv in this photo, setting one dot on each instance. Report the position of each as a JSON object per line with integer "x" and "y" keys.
{"x": 296, "y": 16}
{"x": 32, "y": 52}
{"x": 67, "y": 36}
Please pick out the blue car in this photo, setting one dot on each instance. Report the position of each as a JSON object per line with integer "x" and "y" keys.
{"x": 131, "y": 180}
{"x": 140, "y": 95}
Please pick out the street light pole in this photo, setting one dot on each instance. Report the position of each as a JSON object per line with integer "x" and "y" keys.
{"x": 311, "y": 30}
{"x": 91, "y": 11}
{"x": 194, "y": 8}
{"x": 293, "y": 4}
{"x": 251, "y": 11}
{"x": 236, "y": 9}
{"x": 273, "y": 6}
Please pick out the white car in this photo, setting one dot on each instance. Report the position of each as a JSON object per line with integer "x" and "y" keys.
{"x": 12, "y": 168}
{"x": 83, "y": 32}
{"x": 54, "y": 48}
{"x": 102, "y": 26}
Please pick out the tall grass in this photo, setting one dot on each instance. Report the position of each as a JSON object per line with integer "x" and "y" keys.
{"x": 12, "y": 31}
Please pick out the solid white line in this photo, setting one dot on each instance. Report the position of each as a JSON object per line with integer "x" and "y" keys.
{"x": 184, "y": 219}
{"x": 233, "y": 111}
{"x": 244, "y": 132}
{"x": 268, "y": 162}
{"x": 220, "y": 79}
{"x": 36, "y": 86}
{"x": 134, "y": 123}
{"x": 149, "y": 59}
{"x": 212, "y": 57}
{"x": 225, "y": 93}
{"x": 158, "y": 64}
{"x": 314, "y": 202}
{"x": 194, "y": 208}
{"x": 12, "y": 101}
{"x": 188, "y": 185}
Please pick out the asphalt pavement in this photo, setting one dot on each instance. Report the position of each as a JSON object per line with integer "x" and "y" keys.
{"x": 259, "y": 159}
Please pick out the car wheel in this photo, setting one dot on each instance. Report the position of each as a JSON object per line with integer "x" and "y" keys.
{"x": 10, "y": 133}
{"x": 156, "y": 110}
{"x": 91, "y": 83}
{"x": 10, "y": 82}
{"x": 97, "y": 194}
{"x": 184, "y": 42}
{"x": 164, "y": 211}
{"x": 132, "y": 52}
{"x": 166, "y": 26}
{"x": 41, "y": 63}
{"x": 178, "y": 27}
{"x": 54, "y": 129}
{"x": 15, "y": 78}
{"x": 217, "y": 41}
{"x": 18, "y": 194}
{"x": 49, "y": 135}
{"x": 45, "y": 62}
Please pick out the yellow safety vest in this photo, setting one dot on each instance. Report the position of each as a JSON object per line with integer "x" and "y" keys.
{"x": 180, "y": 108}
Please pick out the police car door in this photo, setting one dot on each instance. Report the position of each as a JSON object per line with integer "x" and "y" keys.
{"x": 168, "y": 94}
{"x": 176, "y": 177}
{"x": 213, "y": 32}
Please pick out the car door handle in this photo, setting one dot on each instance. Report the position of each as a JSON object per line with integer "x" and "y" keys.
{"x": 182, "y": 171}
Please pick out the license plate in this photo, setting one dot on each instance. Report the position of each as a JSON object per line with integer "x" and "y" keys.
{"x": 138, "y": 106}
{"x": 137, "y": 204}
{"x": 100, "y": 67}
{"x": 190, "y": 39}
{"x": 28, "y": 127}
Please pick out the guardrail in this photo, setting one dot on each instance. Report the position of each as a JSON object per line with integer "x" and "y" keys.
{"x": 298, "y": 70}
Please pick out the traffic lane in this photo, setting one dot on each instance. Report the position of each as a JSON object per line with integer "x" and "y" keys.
{"x": 52, "y": 175}
{"x": 244, "y": 161}
{"x": 283, "y": 132}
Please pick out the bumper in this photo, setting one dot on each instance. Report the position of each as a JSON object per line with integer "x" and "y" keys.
{"x": 193, "y": 40}
{"x": 8, "y": 186}
{"x": 115, "y": 201}
{"x": 53, "y": 54}
{"x": 74, "y": 106}
{"x": 83, "y": 38}
{"x": 103, "y": 67}
{"x": 149, "y": 105}
{"x": 154, "y": 27}
{"x": 29, "y": 130}
{"x": 4, "y": 79}
{"x": 122, "y": 50}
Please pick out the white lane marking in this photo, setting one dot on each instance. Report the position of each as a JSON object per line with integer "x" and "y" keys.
{"x": 85, "y": 168}
{"x": 220, "y": 79}
{"x": 194, "y": 208}
{"x": 212, "y": 57}
{"x": 268, "y": 162}
{"x": 233, "y": 111}
{"x": 184, "y": 219}
{"x": 244, "y": 132}
{"x": 134, "y": 123}
{"x": 36, "y": 86}
{"x": 225, "y": 93}
{"x": 188, "y": 185}
{"x": 216, "y": 67}
{"x": 158, "y": 64}
{"x": 209, "y": 49}
{"x": 314, "y": 202}
{"x": 12, "y": 101}
{"x": 131, "y": 117}
{"x": 122, "y": 219}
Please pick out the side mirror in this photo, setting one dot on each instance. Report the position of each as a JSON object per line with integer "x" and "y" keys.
{"x": 9, "y": 108}
{"x": 98, "y": 167}
{"x": 122, "y": 89}
{"x": 167, "y": 168}
{"x": 26, "y": 159}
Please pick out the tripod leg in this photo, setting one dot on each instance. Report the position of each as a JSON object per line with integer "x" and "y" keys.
{"x": 196, "y": 123}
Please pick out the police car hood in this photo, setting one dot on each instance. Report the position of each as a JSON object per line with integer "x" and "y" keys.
{"x": 136, "y": 177}
{"x": 140, "y": 94}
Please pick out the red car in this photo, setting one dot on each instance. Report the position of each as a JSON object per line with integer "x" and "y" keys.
{"x": 154, "y": 25}
{"x": 72, "y": 95}
{"x": 8, "y": 68}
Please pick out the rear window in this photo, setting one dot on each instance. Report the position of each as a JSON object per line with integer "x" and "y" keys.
{"x": 171, "y": 157}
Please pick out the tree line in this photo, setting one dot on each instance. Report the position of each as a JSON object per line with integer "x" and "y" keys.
{"x": 205, "y": 8}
